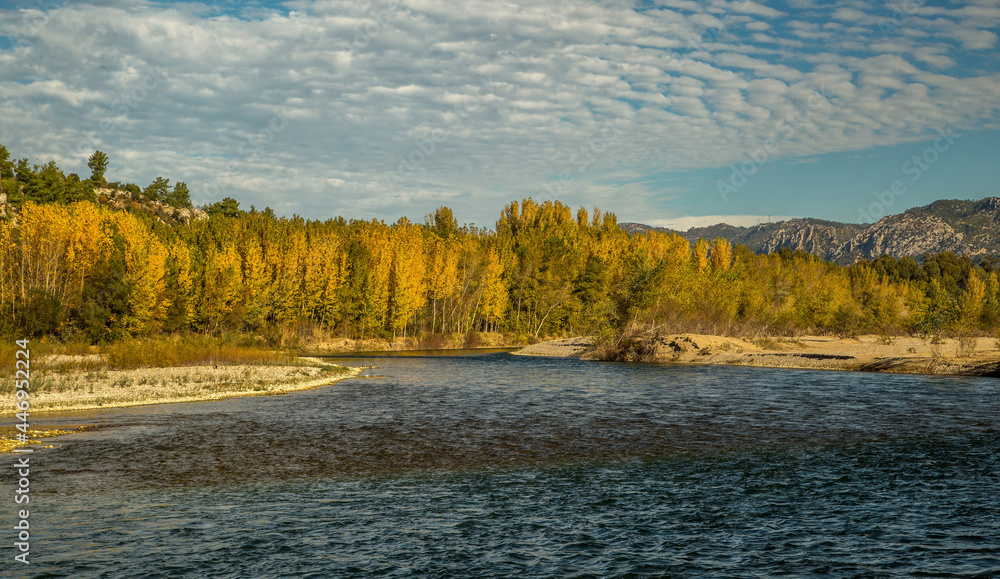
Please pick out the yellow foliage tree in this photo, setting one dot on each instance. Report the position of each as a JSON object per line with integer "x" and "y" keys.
{"x": 222, "y": 285}
{"x": 494, "y": 291}
{"x": 700, "y": 257}
{"x": 722, "y": 255}
{"x": 993, "y": 292}
{"x": 442, "y": 273}
{"x": 257, "y": 275}
{"x": 180, "y": 255}
{"x": 972, "y": 302}
{"x": 145, "y": 265}
{"x": 374, "y": 238}
{"x": 407, "y": 276}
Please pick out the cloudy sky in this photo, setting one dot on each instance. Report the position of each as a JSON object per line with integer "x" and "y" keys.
{"x": 663, "y": 111}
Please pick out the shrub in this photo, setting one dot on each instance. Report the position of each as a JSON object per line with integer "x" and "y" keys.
{"x": 189, "y": 351}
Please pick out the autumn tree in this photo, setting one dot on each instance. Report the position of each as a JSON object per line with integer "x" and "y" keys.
{"x": 494, "y": 298}
{"x": 972, "y": 301}
{"x": 407, "y": 288}
{"x": 700, "y": 256}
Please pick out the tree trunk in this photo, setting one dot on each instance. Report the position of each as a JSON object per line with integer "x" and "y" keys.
{"x": 539, "y": 329}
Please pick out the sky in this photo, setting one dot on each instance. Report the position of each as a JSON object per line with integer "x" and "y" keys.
{"x": 669, "y": 112}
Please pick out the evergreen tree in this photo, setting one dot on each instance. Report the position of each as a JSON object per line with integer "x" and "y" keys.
{"x": 98, "y": 163}
{"x": 158, "y": 190}
{"x": 47, "y": 184}
{"x": 180, "y": 196}
{"x": 228, "y": 207}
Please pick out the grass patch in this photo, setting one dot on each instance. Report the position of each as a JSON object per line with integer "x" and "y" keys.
{"x": 190, "y": 351}
{"x": 766, "y": 344}
{"x": 43, "y": 348}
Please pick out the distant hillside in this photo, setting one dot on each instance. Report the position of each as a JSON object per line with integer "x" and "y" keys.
{"x": 963, "y": 227}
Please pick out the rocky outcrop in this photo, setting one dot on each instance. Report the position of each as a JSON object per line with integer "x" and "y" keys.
{"x": 901, "y": 235}
{"x": 120, "y": 199}
{"x": 822, "y": 240}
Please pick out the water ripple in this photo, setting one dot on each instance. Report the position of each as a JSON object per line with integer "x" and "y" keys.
{"x": 501, "y": 466}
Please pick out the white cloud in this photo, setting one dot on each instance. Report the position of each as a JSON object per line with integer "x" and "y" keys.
{"x": 390, "y": 112}
{"x": 685, "y": 223}
{"x": 849, "y": 14}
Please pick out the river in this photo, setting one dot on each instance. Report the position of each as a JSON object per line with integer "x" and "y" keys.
{"x": 499, "y": 465}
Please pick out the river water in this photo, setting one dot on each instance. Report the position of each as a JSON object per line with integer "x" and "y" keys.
{"x": 498, "y": 465}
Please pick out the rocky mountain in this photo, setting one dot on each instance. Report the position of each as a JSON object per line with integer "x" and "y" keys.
{"x": 964, "y": 227}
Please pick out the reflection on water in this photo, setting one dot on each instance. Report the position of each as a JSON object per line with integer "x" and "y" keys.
{"x": 496, "y": 465}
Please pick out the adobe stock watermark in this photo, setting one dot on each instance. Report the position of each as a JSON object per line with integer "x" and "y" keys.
{"x": 251, "y": 149}
{"x": 424, "y": 148}
{"x": 122, "y": 106}
{"x": 782, "y": 132}
{"x": 22, "y": 494}
{"x": 915, "y": 167}
{"x": 379, "y": 19}
{"x": 901, "y": 11}
{"x": 581, "y": 159}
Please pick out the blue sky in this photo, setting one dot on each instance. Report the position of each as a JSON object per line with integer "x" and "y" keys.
{"x": 667, "y": 112}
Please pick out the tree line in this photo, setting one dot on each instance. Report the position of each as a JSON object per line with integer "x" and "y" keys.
{"x": 77, "y": 269}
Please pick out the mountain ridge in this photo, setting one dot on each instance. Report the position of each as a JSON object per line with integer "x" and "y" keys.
{"x": 964, "y": 227}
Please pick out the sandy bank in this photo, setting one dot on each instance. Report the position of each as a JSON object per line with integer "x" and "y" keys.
{"x": 81, "y": 390}
{"x": 974, "y": 357}
{"x": 565, "y": 348}
{"x": 322, "y": 347}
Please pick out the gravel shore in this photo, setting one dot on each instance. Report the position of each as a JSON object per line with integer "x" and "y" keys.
{"x": 80, "y": 390}
{"x": 566, "y": 348}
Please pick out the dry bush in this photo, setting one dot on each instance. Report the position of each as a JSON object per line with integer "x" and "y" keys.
{"x": 75, "y": 348}
{"x": 634, "y": 344}
{"x": 473, "y": 339}
{"x": 432, "y": 341}
{"x": 40, "y": 351}
{"x": 966, "y": 347}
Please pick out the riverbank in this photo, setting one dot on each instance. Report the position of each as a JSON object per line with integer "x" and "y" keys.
{"x": 968, "y": 357}
{"x": 321, "y": 346}
{"x": 83, "y": 389}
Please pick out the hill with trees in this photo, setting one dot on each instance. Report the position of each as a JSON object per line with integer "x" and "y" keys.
{"x": 22, "y": 182}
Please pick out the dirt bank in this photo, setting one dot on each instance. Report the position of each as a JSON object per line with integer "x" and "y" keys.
{"x": 974, "y": 357}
